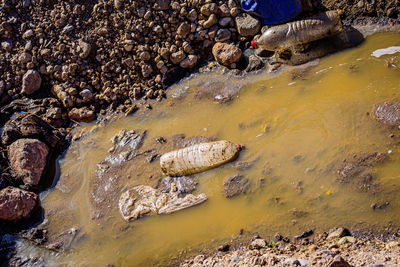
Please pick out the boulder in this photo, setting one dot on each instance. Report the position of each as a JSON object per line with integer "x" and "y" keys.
{"x": 31, "y": 82}
{"x": 247, "y": 25}
{"x": 17, "y": 204}
{"x": 142, "y": 200}
{"x": 226, "y": 54}
{"x": 29, "y": 126}
{"x": 28, "y": 159}
{"x": 83, "y": 114}
{"x": 388, "y": 113}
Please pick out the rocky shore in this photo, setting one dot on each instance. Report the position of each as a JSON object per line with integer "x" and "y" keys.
{"x": 336, "y": 248}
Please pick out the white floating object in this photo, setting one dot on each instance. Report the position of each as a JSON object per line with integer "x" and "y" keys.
{"x": 386, "y": 51}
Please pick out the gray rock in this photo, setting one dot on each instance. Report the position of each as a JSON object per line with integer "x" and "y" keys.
{"x": 247, "y": 25}
{"x": 31, "y": 82}
{"x": 68, "y": 28}
{"x": 223, "y": 35}
{"x": 224, "y": 22}
{"x": 28, "y": 158}
{"x": 255, "y": 63}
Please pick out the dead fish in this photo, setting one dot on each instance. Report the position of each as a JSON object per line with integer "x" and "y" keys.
{"x": 299, "y": 32}
{"x": 198, "y": 158}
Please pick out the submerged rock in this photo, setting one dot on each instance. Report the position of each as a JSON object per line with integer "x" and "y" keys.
{"x": 359, "y": 164}
{"x": 113, "y": 169}
{"x": 142, "y": 200}
{"x": 220, "y": 91}
{"x": 388, "y": 113}
{"x": 183, "y": 184}
{"x": 236, "y": 185}
{"x": 28, "y": 158}
{"x": 17, "y": 204}
{"x": 65, "y": 240}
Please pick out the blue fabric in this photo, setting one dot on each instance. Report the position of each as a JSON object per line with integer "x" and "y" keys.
{"x": 273, "y": 11}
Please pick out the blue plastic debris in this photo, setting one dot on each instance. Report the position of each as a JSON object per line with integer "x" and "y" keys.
{"x": 273, "y": 11}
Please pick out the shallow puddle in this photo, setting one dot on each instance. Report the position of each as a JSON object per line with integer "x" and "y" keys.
{"x": 297, "y": 126}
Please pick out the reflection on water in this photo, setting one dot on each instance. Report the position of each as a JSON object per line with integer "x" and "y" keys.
{"x": 298, "y": 127}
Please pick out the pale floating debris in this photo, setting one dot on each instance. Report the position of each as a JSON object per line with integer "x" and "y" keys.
{"x": 198, "y": 158}
{"x": 386, "y": 51}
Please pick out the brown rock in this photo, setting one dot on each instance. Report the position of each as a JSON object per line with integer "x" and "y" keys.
{"x": 31, "y": 82}
{"x": 161, "y": 4}
{"x": 85, "y": 49}
{"x": 17, "y": 204}
{"x": 209, "y": 9}
{"x": 211, "y": 21}
{"x": 338, "y": 261}
{"x": 28, "y": 158}
{"x": 183, "y": 29}
{"x": 177, "y": 57}
{"x": 226, "y": 54}
{"x": 82, "y": 114}
{"x": 189, "y": 62}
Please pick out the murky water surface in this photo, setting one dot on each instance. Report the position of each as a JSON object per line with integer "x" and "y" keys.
{"x": 298, "y": 126}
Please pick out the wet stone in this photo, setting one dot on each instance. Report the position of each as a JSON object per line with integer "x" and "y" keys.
{"x": 183, "y": 184}
{"x": 388, "y": 113}
{"x": 236, "y": 185}
{"x": 28, "y": 158}
{"x": 255, "y": 63}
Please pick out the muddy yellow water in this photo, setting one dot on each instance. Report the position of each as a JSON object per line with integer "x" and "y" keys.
{"x": 298, "y": 125}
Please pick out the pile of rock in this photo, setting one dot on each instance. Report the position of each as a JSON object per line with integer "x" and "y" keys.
{"x": 94, "y": 55}
{"x": 29, "y": 141}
